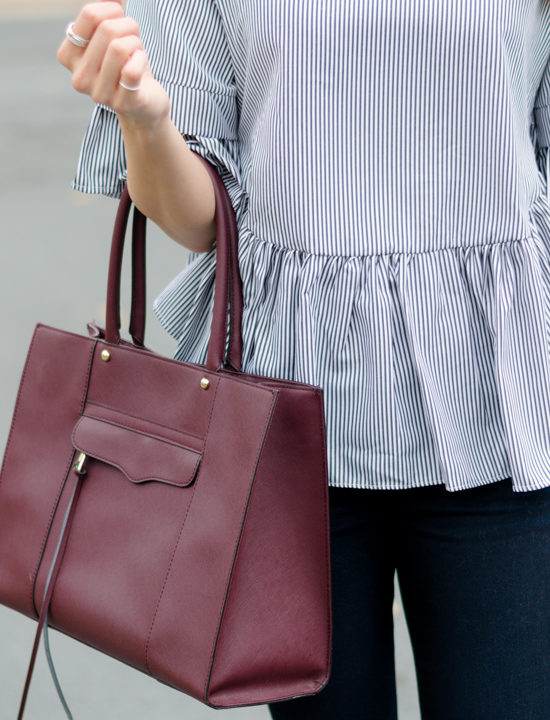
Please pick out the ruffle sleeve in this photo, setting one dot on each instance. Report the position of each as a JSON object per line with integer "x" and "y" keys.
{"x": 189, "y": 56}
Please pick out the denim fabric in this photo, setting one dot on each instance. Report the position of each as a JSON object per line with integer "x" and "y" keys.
{"x": 474, "y": 573}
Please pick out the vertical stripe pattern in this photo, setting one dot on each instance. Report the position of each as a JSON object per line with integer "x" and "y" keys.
{"x": 388, "y": 167}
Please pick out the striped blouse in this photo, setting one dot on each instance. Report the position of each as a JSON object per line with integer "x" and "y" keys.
{"x": 387, "y": 164}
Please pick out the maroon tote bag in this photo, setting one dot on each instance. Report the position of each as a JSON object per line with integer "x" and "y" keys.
{"x": 171, "y": 515}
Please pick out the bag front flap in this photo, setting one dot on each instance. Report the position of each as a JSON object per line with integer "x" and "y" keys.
{"x": 139, "y": 455}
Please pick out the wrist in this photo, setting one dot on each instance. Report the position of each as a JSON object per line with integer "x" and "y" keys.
{"x": 150, "y": 116}
{"x": 144, "y": 129}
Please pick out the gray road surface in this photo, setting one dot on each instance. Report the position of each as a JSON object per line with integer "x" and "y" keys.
{"x": 53, "y": 269}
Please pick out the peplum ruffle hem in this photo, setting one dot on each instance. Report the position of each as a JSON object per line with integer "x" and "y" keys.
{"x": 435, "y": 365}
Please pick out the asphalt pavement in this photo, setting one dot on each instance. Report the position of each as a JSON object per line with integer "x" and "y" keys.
{"x": 53, "y": 267}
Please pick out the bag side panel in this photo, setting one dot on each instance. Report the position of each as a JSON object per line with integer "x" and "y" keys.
{"x": 275, "y": 636}
{"x": 38, "y": 456}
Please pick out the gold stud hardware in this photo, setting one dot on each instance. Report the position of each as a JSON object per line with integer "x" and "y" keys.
{"x": 205, "y": 383}
{"x": 105, "y": 355}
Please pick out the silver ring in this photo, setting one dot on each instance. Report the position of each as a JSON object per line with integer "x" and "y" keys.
{"x": 128, "y": 87}
{"x": 74, "y": 38}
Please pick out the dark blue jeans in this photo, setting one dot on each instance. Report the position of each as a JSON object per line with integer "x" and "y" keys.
{"x": 474, "y": 574}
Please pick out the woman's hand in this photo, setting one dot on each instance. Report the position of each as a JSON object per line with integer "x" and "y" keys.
{"x": 113, "y": 54}
{"x": 165, "y": 179}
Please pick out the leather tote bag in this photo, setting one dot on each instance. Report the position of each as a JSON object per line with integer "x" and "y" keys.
{"x": 171, "y": 515}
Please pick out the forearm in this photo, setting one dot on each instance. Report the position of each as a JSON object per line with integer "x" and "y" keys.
{"x": 168, "y": 183}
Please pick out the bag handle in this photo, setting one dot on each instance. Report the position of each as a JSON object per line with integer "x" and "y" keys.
{"x": 228, "y": 299}
{"x": 137, "y": 314}
{"x": 137, "y": 318}
{"x": 228, "y": 288}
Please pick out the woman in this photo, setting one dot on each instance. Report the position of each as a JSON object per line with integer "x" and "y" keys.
{"x": 387, "y": 164}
